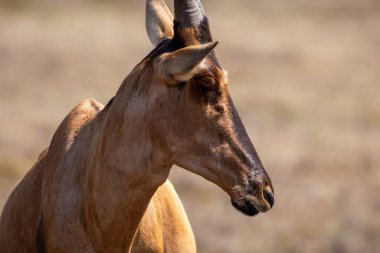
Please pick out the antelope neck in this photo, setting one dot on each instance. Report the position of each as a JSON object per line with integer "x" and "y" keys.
{"x": 122, "y": 173}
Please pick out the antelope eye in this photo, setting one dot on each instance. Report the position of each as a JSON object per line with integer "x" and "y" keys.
{"x": 219, "y": 109}
{"x": 181, "y": 85}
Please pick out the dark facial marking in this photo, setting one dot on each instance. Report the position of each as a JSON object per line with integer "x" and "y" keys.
{"x": 247, "y": 209}
{"x": 206, "y": 86}
{"x": 181, "y": 85}
{"x": 40, "y": 240}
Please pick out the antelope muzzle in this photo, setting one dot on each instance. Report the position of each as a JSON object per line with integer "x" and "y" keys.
{"x": 255, "y": 196}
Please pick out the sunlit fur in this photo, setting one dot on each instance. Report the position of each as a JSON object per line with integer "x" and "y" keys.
{"x": 101, "y": 186}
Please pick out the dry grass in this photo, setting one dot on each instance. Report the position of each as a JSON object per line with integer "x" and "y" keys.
{"x": 305, "y": 78}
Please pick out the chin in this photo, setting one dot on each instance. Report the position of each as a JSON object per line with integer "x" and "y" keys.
{"x": 247, "y": 209}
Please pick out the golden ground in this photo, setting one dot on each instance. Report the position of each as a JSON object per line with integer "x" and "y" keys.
{"x": 305, "y": 78}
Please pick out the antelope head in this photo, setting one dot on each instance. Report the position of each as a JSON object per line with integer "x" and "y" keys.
{"x": 183, "y": 95}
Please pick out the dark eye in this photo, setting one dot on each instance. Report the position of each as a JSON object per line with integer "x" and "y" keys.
{"x": 181, "y": 85}
{"x": 219, "y": 109}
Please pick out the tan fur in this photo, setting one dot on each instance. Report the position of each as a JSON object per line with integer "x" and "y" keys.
{"x": 189, "y": 35}
{"x": 102, "y": 185}
{"x": 164, "y": 225}
{"x": 20, "y": 216}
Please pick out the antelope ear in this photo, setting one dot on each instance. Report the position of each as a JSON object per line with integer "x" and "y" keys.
{"x": 184, "y": 63}
{"x": 158, "y": 21}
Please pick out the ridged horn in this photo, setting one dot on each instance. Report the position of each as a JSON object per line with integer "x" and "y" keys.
{"x": 188, "y": 13}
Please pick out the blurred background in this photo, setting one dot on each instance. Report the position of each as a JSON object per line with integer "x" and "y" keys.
{"x": 304, "y": 75}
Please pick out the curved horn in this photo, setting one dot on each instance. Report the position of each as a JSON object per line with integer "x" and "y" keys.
{"x": 188, "y": 12}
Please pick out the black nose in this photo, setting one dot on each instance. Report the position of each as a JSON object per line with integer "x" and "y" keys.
{"x": 268, "y": 196}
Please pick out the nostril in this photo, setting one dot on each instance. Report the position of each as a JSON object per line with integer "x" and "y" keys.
{"x": 268, "y": 196}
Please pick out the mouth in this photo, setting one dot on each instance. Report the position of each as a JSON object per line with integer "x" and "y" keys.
{"x": 247, "y": 208}
{"x": 251, "y": 205}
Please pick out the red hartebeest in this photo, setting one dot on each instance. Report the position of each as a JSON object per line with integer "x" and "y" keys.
{"x": 102, "y": 186}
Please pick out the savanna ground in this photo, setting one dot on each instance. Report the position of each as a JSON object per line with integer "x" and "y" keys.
{"x": 305, "y": 78}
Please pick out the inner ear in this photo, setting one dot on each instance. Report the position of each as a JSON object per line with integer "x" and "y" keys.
{"x": 186, "y": 76}
{"x": 183, "y": 64}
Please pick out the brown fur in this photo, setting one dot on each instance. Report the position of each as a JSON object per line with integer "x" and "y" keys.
{"x": 164, "y": 222}
{"x": 102, "y": 186}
